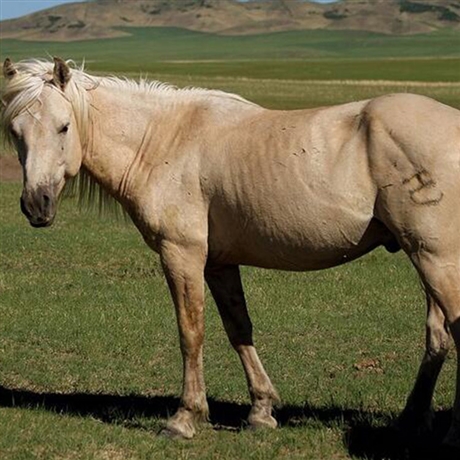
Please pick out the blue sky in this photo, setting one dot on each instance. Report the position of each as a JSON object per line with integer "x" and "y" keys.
{"x": 15, "y": 8}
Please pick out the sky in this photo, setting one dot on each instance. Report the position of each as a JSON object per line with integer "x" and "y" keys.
{"x": 15, "y": 8}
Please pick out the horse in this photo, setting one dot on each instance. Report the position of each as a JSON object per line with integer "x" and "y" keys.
{"x": 213, "y": 181}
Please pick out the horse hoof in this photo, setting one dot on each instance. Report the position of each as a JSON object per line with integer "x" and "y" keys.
{"x": 179, "y": 427}
{"x": 170, "y": 434}
{"x": 258, "y": 423}
{"x": 175, "y": 434}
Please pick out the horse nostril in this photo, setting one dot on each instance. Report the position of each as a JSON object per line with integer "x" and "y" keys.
{"x": 46, "y": 201}
{"x": 24, "y": 208}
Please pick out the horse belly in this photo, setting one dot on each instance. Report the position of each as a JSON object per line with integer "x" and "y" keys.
{"x": 295, "y": 234}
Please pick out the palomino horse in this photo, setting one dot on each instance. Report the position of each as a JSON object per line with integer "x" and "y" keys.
{"x": 213, "y": 181}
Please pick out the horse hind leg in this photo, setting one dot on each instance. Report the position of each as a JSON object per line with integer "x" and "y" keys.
{"x": 440, "y": 272}
{"x": 227, "y": 290}
{"x": 417, "y": 416}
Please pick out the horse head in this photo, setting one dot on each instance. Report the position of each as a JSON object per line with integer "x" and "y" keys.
{"x": 39, "y": 119}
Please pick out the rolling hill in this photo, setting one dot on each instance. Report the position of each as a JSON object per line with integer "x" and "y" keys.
{"x": 98, "y": 19}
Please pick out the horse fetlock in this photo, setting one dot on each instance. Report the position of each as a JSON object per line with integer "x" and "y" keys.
{"x": 198, "y": 407}
{"x": 267, "y": 395}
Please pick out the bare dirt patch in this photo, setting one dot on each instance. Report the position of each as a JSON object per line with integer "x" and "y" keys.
{"x": 10, "y": 169}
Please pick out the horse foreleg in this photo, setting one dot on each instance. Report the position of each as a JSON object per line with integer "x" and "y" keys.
{"x": 227, "y": 290}
{"x": 418, "y": 415}
{"x": 184, "y": 270}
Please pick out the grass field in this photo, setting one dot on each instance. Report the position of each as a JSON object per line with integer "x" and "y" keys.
{"x": 89, "y": 356}
{"x": 316, "y": 54}
{"x": 149, "y": 45}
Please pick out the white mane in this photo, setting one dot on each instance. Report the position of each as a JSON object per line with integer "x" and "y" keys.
{"x": 25, "y": 88}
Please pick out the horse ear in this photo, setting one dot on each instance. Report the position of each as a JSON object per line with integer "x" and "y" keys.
{"x": 61, "y": 73}
{"x": 9, "y": 71}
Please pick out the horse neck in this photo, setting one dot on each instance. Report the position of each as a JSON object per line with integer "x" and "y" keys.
{"x": 119, "y": 121}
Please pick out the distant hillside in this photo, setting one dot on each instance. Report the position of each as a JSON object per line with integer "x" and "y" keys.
{"x": 102, "y": 18}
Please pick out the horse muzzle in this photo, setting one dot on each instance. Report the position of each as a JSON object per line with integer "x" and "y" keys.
{"x": 39, "y": 206}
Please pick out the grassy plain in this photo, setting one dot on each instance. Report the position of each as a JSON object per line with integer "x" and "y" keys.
{"x": 147, "y": 45}
{"x": 306, "y": 55}
{"x": 89, "y": 357}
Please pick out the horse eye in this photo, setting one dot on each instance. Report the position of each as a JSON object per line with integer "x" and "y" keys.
{"x": 64, "y": 129}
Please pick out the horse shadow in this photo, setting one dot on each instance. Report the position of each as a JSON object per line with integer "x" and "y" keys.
{"x": 366, "y": 435}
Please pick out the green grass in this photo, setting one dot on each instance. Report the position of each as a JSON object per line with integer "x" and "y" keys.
{"x": 317, "y": 54}
{"x": 423, "y": 70}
